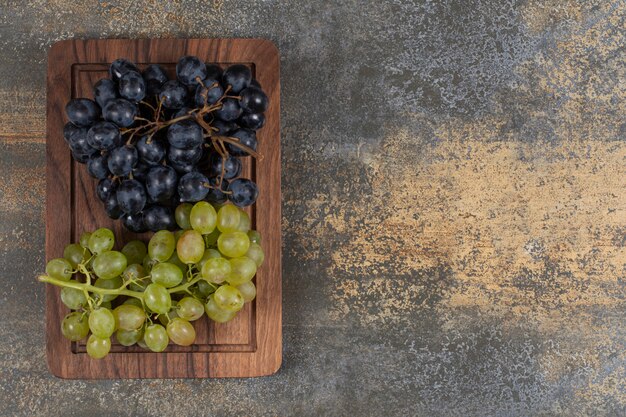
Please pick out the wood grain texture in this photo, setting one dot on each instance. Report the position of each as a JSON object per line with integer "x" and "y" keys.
{"x": 251, "y": 344}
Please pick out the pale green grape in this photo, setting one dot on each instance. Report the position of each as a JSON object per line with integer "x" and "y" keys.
{"x": 157, "y": 298}
{"x": 228, "y": 218}
{"x": 181, "y": 332}
{"x": 166, "y": 274}
{"x": 75, "y": 326}
{"x": 203, "y": 217}
{"x": 135, "y": 251}
{"x": 217, "y": 314}
{"x": 101, "y": 240}
{"x": 190, "y": 309}
{"x": 247, "y": 290}
{"x": 106, "y": 304}
{"x": 216, "y": 270}
{"x": 142, "y": 343}
{"x": 109, "y": 284}
{"x": 181, "y": 214}
{"x": 174, "y": 259}
{"x": 242, "y": 270}
{"x": 84, "y": 239}
{"x": 132, "y": 273}
{"x": 76, "y": 254}
{"x": 210, "y": 240}
{"x": 178, "y": 234}
{"x": 172, "y": 314}
{"x": 228, "y": 298}
{"x": 59, "y": 268}
{"x": 102, "y": 322}
{"x": 133, "y": 302}
{"x": 155, "y": 337}
{"x": 208, "y": 254}
{"x": 233, "y": 244}
{"x": 109, "y": 264}
{"x": 254, "y": 236}
{"x": 148, "y": 263}
{"x": 162, "y": 245}
{"x": 244, "y": 222}
{"x": 205, "y": 289}
{"x": 98, "y": 347}
{"x": 73, "y": 298}
{"x": 190, "y": 247}
{"x": 129, "y": 337}
{"x": 255, "y": 252}
{"x": 129, "y": 317}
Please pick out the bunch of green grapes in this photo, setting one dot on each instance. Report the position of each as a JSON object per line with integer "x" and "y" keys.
{"x": 150, "y": 295}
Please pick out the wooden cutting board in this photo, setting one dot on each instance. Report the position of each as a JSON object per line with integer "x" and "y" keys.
{"x": 251, "y": 344}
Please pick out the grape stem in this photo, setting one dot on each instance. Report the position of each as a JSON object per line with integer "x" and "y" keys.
{"x": 88, "y": 287}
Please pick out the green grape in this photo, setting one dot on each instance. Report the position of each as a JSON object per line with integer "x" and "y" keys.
{"x": 102, "y": 322}
{"x": 190, "y": 309}
{"x": 135, "y": 251}
{"x": 228, "y": 218}
{"x": 205, "y": 289}
{"x": 73, "y": 298}
{"x": 233, "y": 244}
{"x": 109, "y": 284}
{"x": 203, "y": 217}
{"x": 216, "y": 270}
{"x": 181, "y": 332}
{"x": 129, "y": 317}
{"x": 129, "y": 337}
{"x": 178, "y": 234}
{"x": 242, "y": 270}
{"x": 254, "y": 236}
{"x": 109, "y": 264}
{"x": 217, "y": 314}
{"x": 132, "y": 273}
{"x": 208, "y": 254}
{"x": 106, "y": 304}
{"x": 59, "y": 268}
{"x": 244, "y": 222}
{"x": 190, "y": 247}
{"x": 247, "y": 290}
{"x": 210, "y": 240}
{"x": 181, "y": 214}
{"x": 148, "y": 263}
{"x": 228, "y": 298}
{"x": 142, "y": 343}
{"x": 133, "y": 302}
{"x": 157, "y": 298}
{"x": 97, "y": 347}
{"x": 76, "y": 254}
{"x": 166, "y": 274}
{"x": 172, "y": 314}
{"x": 101, "y": 240}
{"x": 75, "y": 326}
{"x": 155, "y": 337}
{"x": 84, "y": 239}
{"x": 174, "y": 259}
{"x": 162, "y": 245}
{"x": 255, "y": 252}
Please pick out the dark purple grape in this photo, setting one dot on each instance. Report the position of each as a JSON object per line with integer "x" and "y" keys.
{"x": 112, "y": 207}
{"x": 140, "y": 171}
{"x": 184, "y": 156}
{"x": 82, "y": 111}
{"x": 134, "y": 222}
{"x": 216, "y": 195}
{"x": 105, "y": 188}
{"x": 120, "y": 67}
{"x": 192, "y": 187}
{"x": 155, "y": 72}
{"x": 246, "y": 137}
{"x": 71, "y": 132}
{"x": 120, "y": 111}
{"x": 161, "y": 183}
{"x": 243, "y": 192}
{"x": 173, "y": 94}
{"x": 229, "y": 111}
{"x": 132, "y": 86}
{"x": 79, "y": 143}
{"x": 131, "y": 196}
{"x": 82, "y": 158}
{"x": 158, "y": 217}
{"x": 238, "y": 76}
{"x": 151, "y": 150}
{"x": 210, "y": 93}
{"x": 214, "y": 72}
{"x": 104, "y": 91}
{"x": 232, "y": 166}
{"x": 97, "y": 166}
{"x": 190, "y": 69}
{"x": 185, "y": 134}
{"x": 122, "y": 160}
{"x": 224, "y": 128}
{"x": 253, "y": 100}
{"x": 252, "y": 121}
{"x": 104, "y": 136}
{"x": 183, "y": 168}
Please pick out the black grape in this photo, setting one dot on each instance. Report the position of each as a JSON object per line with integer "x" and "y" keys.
{"x": 224, "y": 128}
{"x": 122, "y": 160}
{"x": 216, "y": 195}
{"x": 214, "y": 72}
{"x": 134, "y": 222}
{"x": 131, "y": 196}
{"x": 189, "y": 69}
{"x": 229, "y": 111}
{"x": 82, "y": 111}
{"x": 173, "y": 94}
{"x": 97, "y": 166}
{"x": 232, "y": 166}
{"x": 132, "y": 86}
{"x": 158, "y": 217}
{"x": 151, "y": 150}
{"x": 105, "y": 188}
{"x": 238, "y": 76}
{"x": 155, "y": 72}
{"x": 104, "y": 136}
{"x": 184, "y": 156}
{"x": 185, "y": 134}
{"x": 140, "y": 171}
{"x": 192, "y": 187}
{"x": 120, "y": 111}
{"x": 112, "y": 207}
{"x": 253, "y": 100}
{"x": 161, "y": 183}
{"x": 252, "y": 121}
{"x": 104, "y": 91}
{"x": 246, "y": 137}
{"x": 120, "y": 67}
{"x": 243, "y": 192}
{"x": 210, "y": 93}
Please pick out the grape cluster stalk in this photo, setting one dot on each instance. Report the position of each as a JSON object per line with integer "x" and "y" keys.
{"x": 150, "y": 295}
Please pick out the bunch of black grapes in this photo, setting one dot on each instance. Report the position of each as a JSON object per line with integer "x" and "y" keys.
{"x": 153, "y": 142}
